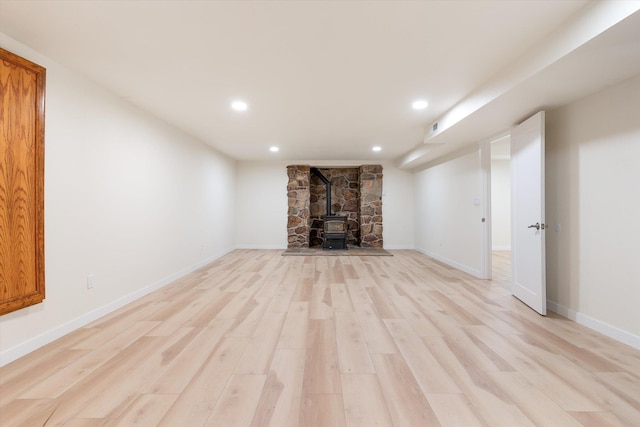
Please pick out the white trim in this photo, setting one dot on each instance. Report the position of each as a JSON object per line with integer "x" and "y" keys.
{"x": 454, "y": 264}
{"x": 397, "y": 247}
{"x": 595, "y": 324}
{"x": 501, "y": 248}
{"x": 486, "y": 223}
{"x": 266, "y": 247}
{"x": 32, "y": 344}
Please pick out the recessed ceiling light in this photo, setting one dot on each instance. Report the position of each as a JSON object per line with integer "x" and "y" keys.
{"x": 377, "y": 148}
{"x": 274, "y": 149}
{"x": 420, "y": 104}
{"x": 239, "y": 105}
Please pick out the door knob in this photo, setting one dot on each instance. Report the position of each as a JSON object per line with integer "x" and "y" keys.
{"x": 536, "y": 226}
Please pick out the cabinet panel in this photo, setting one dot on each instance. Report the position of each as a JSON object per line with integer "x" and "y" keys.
{"x": 22, "y": 88}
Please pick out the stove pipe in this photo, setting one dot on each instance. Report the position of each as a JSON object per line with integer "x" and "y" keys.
{"x": 317, "y": 173}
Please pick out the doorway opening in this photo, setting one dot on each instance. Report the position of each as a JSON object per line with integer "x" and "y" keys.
{"x": 527, "y": 219}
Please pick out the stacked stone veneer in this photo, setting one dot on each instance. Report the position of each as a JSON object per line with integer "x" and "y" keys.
{"x": 361, "y": 187}
{"x": 298, "y": 214}
{"x": 345, "y": 195}
{"x": 371, "y": 206}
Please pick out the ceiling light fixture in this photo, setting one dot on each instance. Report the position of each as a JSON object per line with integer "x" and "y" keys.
{"x": 274, "y": 149}
{"x": 420, "y": 104}
{"x": 239, "y": 105}
{"x": 377, "y": 148}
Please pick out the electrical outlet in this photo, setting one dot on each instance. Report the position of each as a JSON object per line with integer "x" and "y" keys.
{"x": 90, "y": 281}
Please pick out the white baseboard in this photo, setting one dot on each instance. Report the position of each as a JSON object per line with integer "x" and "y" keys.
{"x": 501, "y": 248}
{"x": 26, "y": 347}
{"x": 472, "y": 271}
{"x": 267, "y": 247}
{"x": 597, "y": 325}
{"x": 388, "y": 247}
{"x": 397, "y": 247}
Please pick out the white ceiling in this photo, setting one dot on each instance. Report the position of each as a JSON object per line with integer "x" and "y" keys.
{"x": 327, "y": 80}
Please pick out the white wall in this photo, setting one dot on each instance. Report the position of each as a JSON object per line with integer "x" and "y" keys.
{"x": 501, "y": 204}
{"x": 262, "y": 203}
{"x": 593, "y": 194}
{"x": 448, "y": 223}
{"x": 128, "y": 198}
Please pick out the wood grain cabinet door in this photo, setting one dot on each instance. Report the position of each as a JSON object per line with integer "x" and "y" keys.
{"x": 22, "y": 89}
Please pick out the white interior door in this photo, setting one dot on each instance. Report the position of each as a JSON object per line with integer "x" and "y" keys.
{"x": 527, "y": 213}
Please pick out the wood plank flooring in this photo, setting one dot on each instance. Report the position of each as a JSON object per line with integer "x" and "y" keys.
{"x": 260, "y": 339}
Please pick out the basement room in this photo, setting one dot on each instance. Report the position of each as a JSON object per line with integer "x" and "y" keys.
{"x": 319, "y": 213}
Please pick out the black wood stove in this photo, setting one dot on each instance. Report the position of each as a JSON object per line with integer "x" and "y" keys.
{"x": 335, "y": 232}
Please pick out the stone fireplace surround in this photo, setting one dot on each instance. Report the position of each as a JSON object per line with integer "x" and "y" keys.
{"x": 356, "y": 194}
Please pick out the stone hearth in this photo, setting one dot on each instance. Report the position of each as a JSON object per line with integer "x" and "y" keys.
{"x": 356, "y": 192}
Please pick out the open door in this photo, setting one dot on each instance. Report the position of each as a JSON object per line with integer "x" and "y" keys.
{"x": 527, "y": 213}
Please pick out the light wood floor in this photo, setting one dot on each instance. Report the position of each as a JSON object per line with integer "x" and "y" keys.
{"x": 258, "y": 339}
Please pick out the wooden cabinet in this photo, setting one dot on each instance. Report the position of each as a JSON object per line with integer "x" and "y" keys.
{"x": 22, "y": 94}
